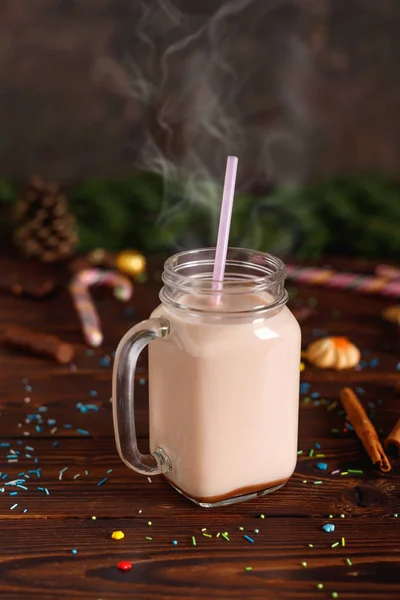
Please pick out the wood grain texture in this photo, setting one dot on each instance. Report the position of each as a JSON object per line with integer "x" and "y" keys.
{"x": 35, "y": 546}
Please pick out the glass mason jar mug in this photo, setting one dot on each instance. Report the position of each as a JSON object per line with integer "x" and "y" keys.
{"x": 223, "y": 379}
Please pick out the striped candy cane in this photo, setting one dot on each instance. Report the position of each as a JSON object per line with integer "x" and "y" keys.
{"x": 79, "y": 289}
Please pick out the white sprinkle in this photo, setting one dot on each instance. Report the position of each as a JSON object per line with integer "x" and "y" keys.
{"x": 140, "y": 511}
{"x": 19, "y": 424}
{"x": 26, "y": 433}
{"x": 61, "y": 473}
{"x": 53, "y": 430}
{"x": 77, "y": 475}
{"x": 12, "y": 460}
{"x": 12, "y": 452}
{"x": 13, "y": 506}
{"x": 149, "y": 480}
{"x": 27, "y": 400}
{"x": 335, "y": 472}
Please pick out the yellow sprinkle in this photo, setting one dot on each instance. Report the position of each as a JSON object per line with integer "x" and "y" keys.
{"x": 343, "y": 542}
{"x": 304, "y": 564}
{"x": 93, "y": 518}
{"x": 207, "y": 534}
{"x": 117, "y": 535}
{"x": 302, "y": 367}
{"x": 204, "y": 529}
{"x": 311, "y": 545}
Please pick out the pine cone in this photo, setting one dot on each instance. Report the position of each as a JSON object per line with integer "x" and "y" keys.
{"x": 45, "y": 229}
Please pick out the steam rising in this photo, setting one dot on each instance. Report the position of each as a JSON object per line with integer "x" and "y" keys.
{"x": 228, "y": 82}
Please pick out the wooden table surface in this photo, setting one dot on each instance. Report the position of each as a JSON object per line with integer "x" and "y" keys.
{"x": 38, "y": 534}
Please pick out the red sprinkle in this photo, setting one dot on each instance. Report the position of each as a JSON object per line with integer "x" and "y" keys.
{"x": 124, "y": 565}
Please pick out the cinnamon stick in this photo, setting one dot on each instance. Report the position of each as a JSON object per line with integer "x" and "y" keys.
{"x": 37, "y": 343}
{"x": 393, "y": 439}
{"x": 364, "y": 429}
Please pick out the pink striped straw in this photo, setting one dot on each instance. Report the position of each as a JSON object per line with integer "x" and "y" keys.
{"x": 224, "y": 223}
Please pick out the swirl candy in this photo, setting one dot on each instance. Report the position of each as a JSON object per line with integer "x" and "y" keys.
{"x": 79, "y": 288}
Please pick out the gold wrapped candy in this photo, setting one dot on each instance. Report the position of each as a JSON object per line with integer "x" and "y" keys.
{"x": 392, "y": 314}
{"x": 333, "y": 353}
{"x": 131, "y": 262}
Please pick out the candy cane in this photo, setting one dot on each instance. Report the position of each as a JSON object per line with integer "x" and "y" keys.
{"x": 365, "y": 284}
{"x": 79, "y": 288}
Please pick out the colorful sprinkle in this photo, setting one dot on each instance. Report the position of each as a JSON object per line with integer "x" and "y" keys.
{"x": 322, "y": 466}
{"x": 102, "y": 482}
{"x": 320, "y": 586}
{"x": 343, "y": 542}
{"x": 248, "y": 538}
{"x": 124, "y": 565}
{"x": 225, "y": 536}
{"x": 117, "y": 535}
{"x": 328, "y": 527}
{"x": 349, "y": 562}
{"x": 304, "y": 564}
{"x": 248, "y": 568}
{"x": 174, "y": 542}
{"x": 74, "y": 551}
{"x": 193, "y": 540}
{"x": 335, "y": 544}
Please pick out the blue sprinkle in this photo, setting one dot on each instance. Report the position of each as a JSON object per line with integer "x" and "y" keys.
{"x": 41, "y": 489}
{"x": 305, "y": 387}
{"x": 248, "y": 538}
{"x": 92, "y": 393}
{"x": 67, "y": 426}
{"x": 109, "y": 471}
{"x": 315, "y": 395}
{"x": 5, "y": 445}
{"x": 13, "y": 493}
{"x": 350, "y": 427}
{"x": 36, "y": 461}
{"x": 82, "y": 432}
{"x": 113, "y": 353}
{"x": 51, "y": 422}
{"x": 175, "y": 543}
{"x": 92, "y": 407}
{"x": 374, "y": 362}
{"x": 317, "y": 445}
{"x": 102, "y": 481}
{"x": 321, "y": 466}
{"x": 142, "y": 381}
{"x": 29, "y": 448}
{"x": 398, "y": 366}
{"x": 55, "y": 444}
{"x": 42, "y": 409}
{"x": 363, "y": 364}
{"x": 104, "y": 362}
{"x": 360, "y": 390}
{"x": 39, "y": 428}
{"x": 5, "y": 476}
{"x": 25, "y": 510}
{"x": 74, "y": 551}
{"x": 328, "y": 527}
{"x": 129, "y": 311}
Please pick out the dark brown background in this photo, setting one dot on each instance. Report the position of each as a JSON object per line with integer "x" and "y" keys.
{"x": 318, "y": 93}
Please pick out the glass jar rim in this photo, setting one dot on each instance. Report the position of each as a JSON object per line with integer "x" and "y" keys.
{"x": 247, "y": 272}
{"x": 172, "y": 265}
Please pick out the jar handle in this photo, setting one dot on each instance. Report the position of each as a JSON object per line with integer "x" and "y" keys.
{"x": 126, "y": 358}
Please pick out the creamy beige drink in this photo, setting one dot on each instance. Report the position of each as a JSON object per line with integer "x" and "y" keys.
{"x": 224, "y": 395}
